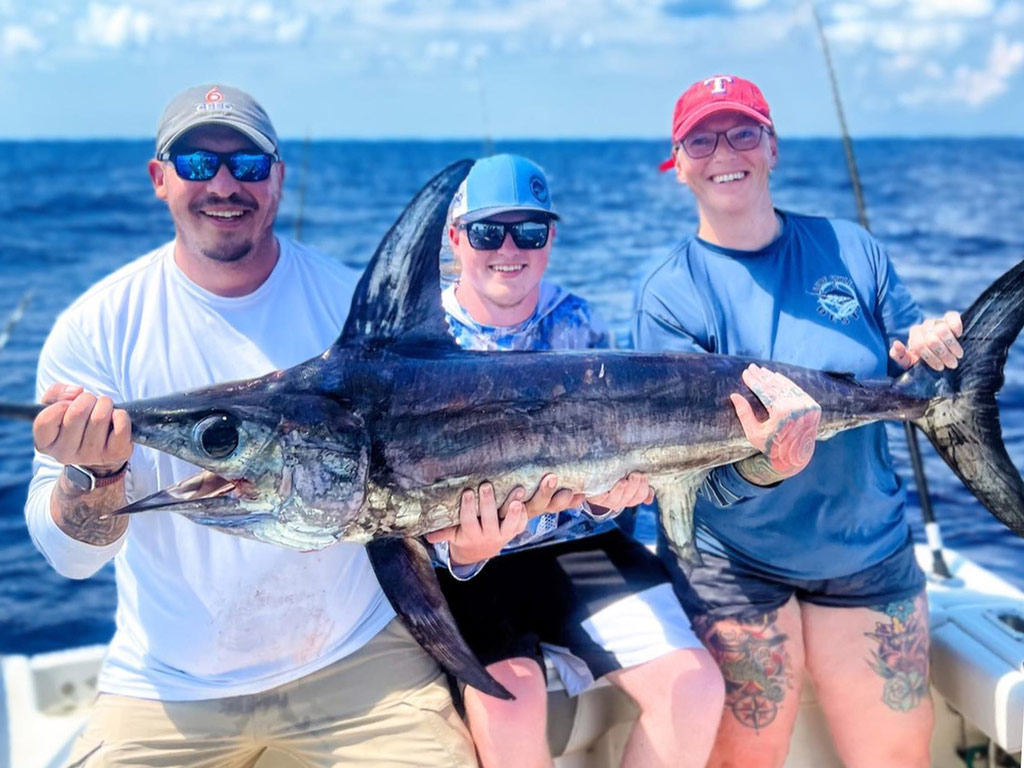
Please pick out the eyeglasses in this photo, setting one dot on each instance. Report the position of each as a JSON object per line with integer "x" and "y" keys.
{"x": 742, "y": 138}
{"x": 202, "y": 164}
{"x": 489, "y": 235}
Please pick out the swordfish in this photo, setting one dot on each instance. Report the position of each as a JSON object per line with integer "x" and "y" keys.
{"x": 374, "y": 440}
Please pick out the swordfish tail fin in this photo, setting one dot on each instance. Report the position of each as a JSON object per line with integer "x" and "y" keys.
{"x": 407, "y": 577}
{"x": 962, "y": 420}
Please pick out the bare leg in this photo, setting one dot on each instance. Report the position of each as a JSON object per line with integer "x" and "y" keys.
{"x": 870, "y": 666}
{"x": 762, "y": 663}
{"x": 511, "y": 734}
{"x": 680, "y": 697}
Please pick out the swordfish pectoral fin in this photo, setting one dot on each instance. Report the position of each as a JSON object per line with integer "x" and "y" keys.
{"x": 408, "y": 579}
{"x": 676, "y": 499}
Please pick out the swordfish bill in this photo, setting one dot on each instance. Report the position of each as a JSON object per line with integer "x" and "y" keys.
{"x": 374, "y": 440}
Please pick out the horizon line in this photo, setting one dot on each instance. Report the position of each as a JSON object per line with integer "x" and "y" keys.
{"x": 511, "y": 139}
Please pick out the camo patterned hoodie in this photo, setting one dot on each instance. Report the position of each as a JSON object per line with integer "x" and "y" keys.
{"x": 561, "y": 320}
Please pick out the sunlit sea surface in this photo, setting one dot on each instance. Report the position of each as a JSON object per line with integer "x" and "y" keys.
{"x": 951, "y": 213}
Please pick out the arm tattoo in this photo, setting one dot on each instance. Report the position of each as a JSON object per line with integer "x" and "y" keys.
{"x": 758, "y": 470}
{"x": 755, "y": 664}
{"x": 787, "y": 450}
{"x": 86, "y": 516}
{"x": 902, "y": 655}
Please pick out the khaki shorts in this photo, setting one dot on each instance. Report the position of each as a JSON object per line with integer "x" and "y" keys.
{"x": 385, "y": 705}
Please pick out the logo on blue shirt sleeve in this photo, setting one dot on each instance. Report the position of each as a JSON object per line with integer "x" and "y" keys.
{"x": 837, "y": 299}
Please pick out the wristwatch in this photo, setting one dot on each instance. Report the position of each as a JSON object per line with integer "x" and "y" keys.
{"x": 86, "y": 480}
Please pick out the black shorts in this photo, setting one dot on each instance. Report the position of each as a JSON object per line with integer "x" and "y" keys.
{"x": 728, "y": 588}
{"x": 606, "y": 599}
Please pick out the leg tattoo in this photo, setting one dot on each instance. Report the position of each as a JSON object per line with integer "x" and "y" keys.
{"x": 755, "y": 665}
{"x": 902, "y": 656}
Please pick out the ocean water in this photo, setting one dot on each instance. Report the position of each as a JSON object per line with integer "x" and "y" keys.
{"x": 950, "y": 212}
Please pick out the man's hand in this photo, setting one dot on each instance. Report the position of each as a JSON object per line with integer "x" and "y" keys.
{"x": 786, "y": 438}
{"x": 934, "y": 341}
{"x": 483, "y": 528}
{"x": 80, "y": 428}
{"x": 627, "y": 492}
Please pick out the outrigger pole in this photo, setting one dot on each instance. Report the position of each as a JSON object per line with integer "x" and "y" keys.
{"x": 932, "y": 532}
{"x": 303, "y": 181}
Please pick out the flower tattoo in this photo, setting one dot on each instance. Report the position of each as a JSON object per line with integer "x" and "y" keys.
{"x": 901, "y": 658}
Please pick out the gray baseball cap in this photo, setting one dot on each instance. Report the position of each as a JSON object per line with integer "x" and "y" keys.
{"x": 215, "y": 105}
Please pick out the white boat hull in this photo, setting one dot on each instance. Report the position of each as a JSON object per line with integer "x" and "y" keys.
{"x": 977, "y": 632}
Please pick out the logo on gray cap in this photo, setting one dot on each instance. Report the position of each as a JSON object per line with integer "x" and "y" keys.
{"x": 215, "y": 105}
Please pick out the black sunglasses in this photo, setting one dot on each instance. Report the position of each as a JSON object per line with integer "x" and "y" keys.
{"x": 489, "y": 235}
{"x": 742, "y": 138}
{"x": 202, "y": 164}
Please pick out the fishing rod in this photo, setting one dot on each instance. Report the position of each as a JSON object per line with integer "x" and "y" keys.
{"x": 932, "y": 532}
{"x": 484, "y": 123}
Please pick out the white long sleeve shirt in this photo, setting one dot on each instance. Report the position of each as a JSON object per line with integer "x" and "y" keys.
{"x": 203, "y": 614}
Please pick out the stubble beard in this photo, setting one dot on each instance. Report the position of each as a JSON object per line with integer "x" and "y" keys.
{"x": 228, "y": 254}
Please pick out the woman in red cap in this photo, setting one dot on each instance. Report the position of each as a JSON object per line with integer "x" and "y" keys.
{"x": 808, "y": 563}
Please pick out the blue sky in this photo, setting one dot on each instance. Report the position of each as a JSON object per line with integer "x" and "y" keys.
{"x": 535, "y": 68}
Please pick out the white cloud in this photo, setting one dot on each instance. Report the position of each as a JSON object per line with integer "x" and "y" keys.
{"x": 896, "y": 37}
{"x": 947, "y": 9}
{"x": 260, "y": 12}
{"x": 114, "y": 26}
{"x": 846, "y": 12}
{"x": 293, "y": 30}
{"x": 16, "y": 38}
{"x": 898, "y": 42}
{"x": 442, "y": 50}
{"x": 975, "y": 87}
{"x": 904, "y": 62}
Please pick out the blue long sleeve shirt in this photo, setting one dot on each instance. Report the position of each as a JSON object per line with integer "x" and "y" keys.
{"x": 822, "y": 295}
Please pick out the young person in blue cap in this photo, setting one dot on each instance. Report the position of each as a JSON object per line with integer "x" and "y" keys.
{"x": 567, "y": 585}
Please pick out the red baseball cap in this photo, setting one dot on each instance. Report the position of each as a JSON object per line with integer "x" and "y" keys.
{"x": 721, "y": 93}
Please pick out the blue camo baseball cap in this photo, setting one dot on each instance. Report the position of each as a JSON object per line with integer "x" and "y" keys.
{"x": 499, "y": 184}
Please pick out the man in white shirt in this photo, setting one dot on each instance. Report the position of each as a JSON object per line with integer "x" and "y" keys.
{"x": 225, "y": 647}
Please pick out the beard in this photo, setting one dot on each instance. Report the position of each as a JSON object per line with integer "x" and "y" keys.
{"x": 228, "y": 253}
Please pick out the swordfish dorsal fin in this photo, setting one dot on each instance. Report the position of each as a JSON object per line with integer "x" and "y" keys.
{"x": 399, "y": 295}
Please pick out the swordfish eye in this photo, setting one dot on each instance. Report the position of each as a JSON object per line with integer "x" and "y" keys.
{"x": 216, "y": 436}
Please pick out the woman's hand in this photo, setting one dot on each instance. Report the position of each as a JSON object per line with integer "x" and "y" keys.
{"x": 786, "y": 439}
{"x": 934, "y": 341}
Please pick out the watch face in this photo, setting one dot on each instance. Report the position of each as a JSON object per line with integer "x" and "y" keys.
{"x": 80, "y": 478}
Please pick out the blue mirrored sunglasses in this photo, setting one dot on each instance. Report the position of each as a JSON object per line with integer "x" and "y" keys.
{"x": 202, "y": 164}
